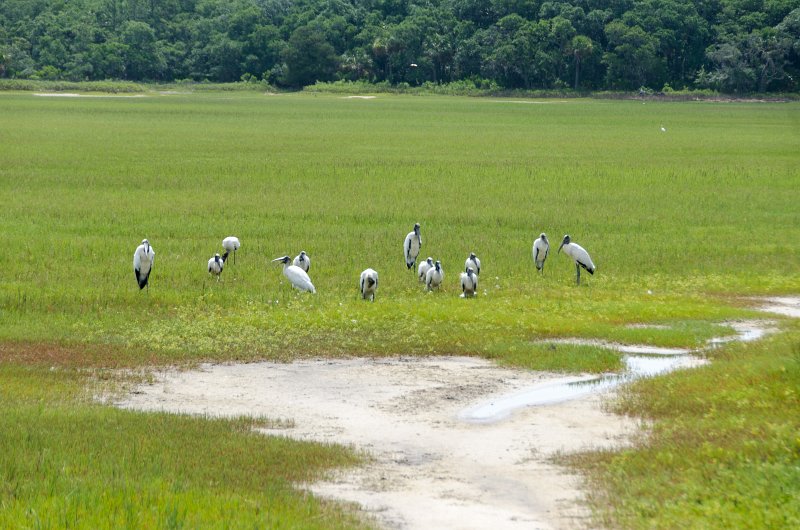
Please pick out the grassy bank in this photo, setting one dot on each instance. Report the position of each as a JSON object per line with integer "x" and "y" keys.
{"x": 723, "y": 450}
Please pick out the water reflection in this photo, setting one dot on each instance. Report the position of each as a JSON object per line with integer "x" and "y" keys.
{"x": 569, "y": 388}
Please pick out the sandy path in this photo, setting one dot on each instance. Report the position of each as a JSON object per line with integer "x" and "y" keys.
{"x": 431, "y": 469}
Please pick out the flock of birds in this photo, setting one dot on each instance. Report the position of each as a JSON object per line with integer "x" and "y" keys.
{"x": 429, "y": 272}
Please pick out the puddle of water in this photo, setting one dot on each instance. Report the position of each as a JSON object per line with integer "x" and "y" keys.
{"x": 640, "y": 361}
{"x": 569, "y": 388}
{"x": 649, "y": 350}
{"x": 746, "y": 331}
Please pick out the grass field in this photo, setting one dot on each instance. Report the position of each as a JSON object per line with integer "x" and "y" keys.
{"x": 681, "y": 225}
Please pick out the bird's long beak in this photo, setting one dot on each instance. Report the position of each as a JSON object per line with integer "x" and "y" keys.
{"x": 277, "y": 259}
{"x": 559, "y": 247}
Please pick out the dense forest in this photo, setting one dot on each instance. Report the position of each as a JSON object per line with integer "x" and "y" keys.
{"x": 725, "y": 45}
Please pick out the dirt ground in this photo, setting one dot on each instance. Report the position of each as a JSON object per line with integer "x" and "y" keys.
{"x": 433, "y": 466}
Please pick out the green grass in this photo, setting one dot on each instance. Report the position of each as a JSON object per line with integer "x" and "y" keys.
{"x": 681, "y": 225}
{"x": 723, "y": 450}
{"x": 69, "y": 463}
{"x": 697, "y": 215}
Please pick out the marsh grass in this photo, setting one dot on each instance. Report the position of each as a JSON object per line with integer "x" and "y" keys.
{"x": 681, "y": 225}
{"x": 721, "y": 450}
{"x": 67, "y": 462}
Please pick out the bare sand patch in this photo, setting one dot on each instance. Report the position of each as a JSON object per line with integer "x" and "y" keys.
{"x": 432, "y": 468}
{"x": 73, "y": 95}
{"x": 782, "y": 305}
{"x": 527, "y": 102}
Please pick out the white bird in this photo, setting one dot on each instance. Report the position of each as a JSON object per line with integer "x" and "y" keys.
{"x": 663, "y": 129}
{"x": 369, "y": 284}
{"x": 541, "y": 248}
{"x": 579, "y": 254}
{"x": 469, "y": 283}
{"x": 296, "y": 276}
{"x": 143, "y": 258}
{"x": 216, "y": 264}
{"x": 231, "y": 244}
{"x": 303, "y": 261}
{"x": 411, "y": 246}
{"x": 474, "y": 262}
{"x": 434, "y": 276}
{"x": 422, "y": 270}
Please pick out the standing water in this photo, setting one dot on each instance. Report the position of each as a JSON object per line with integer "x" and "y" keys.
{"x": 640, "y": 361}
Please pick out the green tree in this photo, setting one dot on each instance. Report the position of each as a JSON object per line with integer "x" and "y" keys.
{"x": 142, "y": 56}
{"x": 679, "y": 30}
{"x": 750, "y": 62}
{"x": 309, "y": 58}
{"x": 580, "y": 48}
{"x": 632, "y": 59}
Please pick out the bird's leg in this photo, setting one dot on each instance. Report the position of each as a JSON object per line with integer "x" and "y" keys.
{"x": 578, "y": 271}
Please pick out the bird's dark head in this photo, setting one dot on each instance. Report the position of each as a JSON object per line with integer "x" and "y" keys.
{"x": 470, "y": 272}
{"x": 416, "y": 228}
{"x": 284, "y": 260}
{"x": 472, "y": 255}
{"x": 146, "y": 244}
{"x": 543, "y": 236}
{"x": 430, "y": 261}
{"x": 302, "y": 255}
{"x": 564, "y": 241}
{"x": 438, "y": 265}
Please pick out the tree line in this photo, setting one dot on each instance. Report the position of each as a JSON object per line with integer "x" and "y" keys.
{"x": 726, "y": 45}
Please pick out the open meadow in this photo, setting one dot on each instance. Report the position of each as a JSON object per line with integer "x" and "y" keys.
{"x": 687, "y": 209}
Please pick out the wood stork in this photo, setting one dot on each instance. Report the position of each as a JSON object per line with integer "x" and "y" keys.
{"x": 469, "y": 283}
{"x": 231, "y": 244}
{"x": 216, "y": 264}
{"x": 423, "y": 268}
{"x": 369, "y": 284}
{"x": 411, "y": 246}
{"x": 473, "y": 262}
{"x": 434, "y": 276}
{"x": 143, "y": 258}
{"x": 579, "y": 254}
{"x": 541, "y": 248}
{"x": 296, "y": 276}
{"x": 303, "y": 261}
